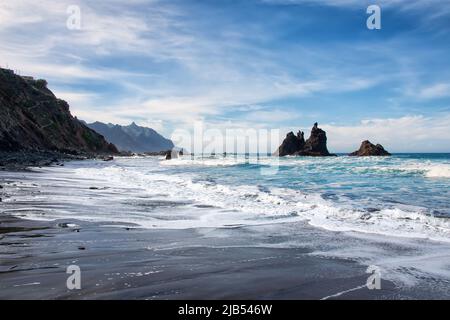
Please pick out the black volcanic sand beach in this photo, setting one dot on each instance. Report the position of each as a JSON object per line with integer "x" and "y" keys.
{"x": 117, "y": 263}
{"x": 126, "y": 262}
{"x": 129, "y": 263}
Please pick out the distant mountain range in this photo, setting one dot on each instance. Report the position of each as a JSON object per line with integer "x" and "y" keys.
{"x": 132, "y": 138}
{"x": 32, "y": 118}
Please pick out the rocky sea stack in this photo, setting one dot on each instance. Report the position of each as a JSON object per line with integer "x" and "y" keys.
{"x": 369, "y": 149}
{"x": 32, "y": 119}
{"x": 295, "y": 145}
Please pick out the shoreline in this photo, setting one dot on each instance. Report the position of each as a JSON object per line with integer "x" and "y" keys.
{"x": 34, "y": 266}
{"x": 124, "y": 261}
{"x": 22, "y": 160}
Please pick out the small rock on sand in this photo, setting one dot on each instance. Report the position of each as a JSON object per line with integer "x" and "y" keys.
{"x": 63, "y": 225}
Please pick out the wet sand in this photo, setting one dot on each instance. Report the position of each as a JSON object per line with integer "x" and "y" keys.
{"x": 128, "y": 263}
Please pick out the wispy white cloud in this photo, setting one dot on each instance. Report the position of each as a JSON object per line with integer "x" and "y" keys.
{"x": 77, "y": 98}
{"x": 438, "y": 90}
{"x": 439, "y": 5}
{"x": 273, "y": 116}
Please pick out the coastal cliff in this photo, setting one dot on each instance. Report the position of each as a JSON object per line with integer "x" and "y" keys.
{"x": 33, "y": 119}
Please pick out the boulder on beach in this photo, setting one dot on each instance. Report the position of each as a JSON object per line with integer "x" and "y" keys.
{"x": 315, "y": 146}
{"x": 369, "y": 149}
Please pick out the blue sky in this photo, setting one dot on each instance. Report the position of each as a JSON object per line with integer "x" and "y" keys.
{"x": 249, "y": 64}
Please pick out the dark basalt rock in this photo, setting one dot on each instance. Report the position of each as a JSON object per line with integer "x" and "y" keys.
{"x": 369, "y": 149}
{"x": 315, "y": 146}
{"x": 154, "y": 154}
{"x": 173, "y": 154}
{"x": 292, "y": 144}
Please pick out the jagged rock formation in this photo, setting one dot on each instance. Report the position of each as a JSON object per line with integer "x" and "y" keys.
{"x": 33, "y": 119}
{"x": 315, "y": 146}
{"x": 369, "y": 149}
{"x": 133, "y": 137}
{"x": 292, "y": 144}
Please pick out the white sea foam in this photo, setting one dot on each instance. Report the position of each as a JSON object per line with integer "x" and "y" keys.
{"x": 418, "y": 262}
{"x": 430, "y": 170}
{"x": 218, "y": 205}
{"x": 198, "y": 161}
{"x": 187, "y": 203}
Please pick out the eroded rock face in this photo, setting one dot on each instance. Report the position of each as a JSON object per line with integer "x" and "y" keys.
{"x": 369, "y": 149}
{"x": 33, "y": 119}
{"x": 315, "y": 146}
{"x": 292, "y": 144}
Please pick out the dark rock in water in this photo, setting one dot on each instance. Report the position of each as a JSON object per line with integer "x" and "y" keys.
{"x": 369, "y": 149}
{"x": 33, "y": 119}
{"x": 81, "y": 248}
{"x": 93, "y": 188}
{"x": 292, "y": 144}
{"x": 315, "y": 146}
{"x": 366, "y": 216}
{"x": 173, "y": 154}
{"x": 108, "y": 158}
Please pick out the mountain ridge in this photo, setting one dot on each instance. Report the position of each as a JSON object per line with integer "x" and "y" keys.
{"x": 132, "y": 138}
